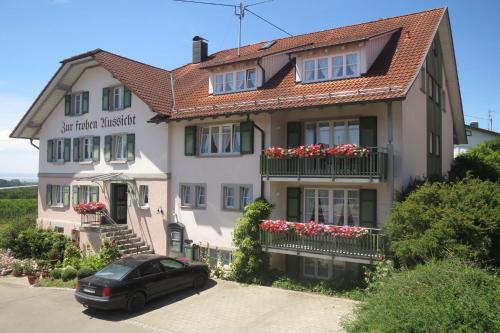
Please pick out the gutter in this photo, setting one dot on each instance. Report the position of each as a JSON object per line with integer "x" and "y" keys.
{"x": 31, "y": 143}
{"x": 263, "y": 71}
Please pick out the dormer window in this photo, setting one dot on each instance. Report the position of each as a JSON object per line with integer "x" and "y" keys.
{"x": 337, "y": 67}
{"x": 235, "y": 81}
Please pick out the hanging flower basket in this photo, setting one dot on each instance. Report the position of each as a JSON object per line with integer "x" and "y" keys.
{"x": 311, "y": 151}
{"x": 90, "y": 208}
{"x": 312, "y": 228}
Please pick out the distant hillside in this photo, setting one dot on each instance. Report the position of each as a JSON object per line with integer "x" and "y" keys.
{"x": 19, "y": 193}
{"x": 13, "y": 182}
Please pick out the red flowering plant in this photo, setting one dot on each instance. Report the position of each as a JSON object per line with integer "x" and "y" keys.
{"x": 347, "y": 150}
{"x": 89, "y": 208}
{"x": 313, "y": 228}
{"x": 305, "y": 151}
{"x": 275, "y": 152}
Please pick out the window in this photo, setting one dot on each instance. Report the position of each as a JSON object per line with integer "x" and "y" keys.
{"x": 176, "y": 241}
{"x": 169, "y": 264}
{"x": 221, "y": 139}
{"x": 84, "y": 195}
{"x": 87, "y": 145}
{"x": 77, "y": 107}
{"x": 342, "y": 66}
{"x": 438, "y": 145}
{"x": 59, "y": 229}
{"x": 193, "y": 195}
{"x": 329, "y": 133}
{"x": 431, "y": 143}
{"x": 143, "y": 195}
{"x": 119, "y": 147}
{"x": 150, "y": 268}
{"x": 57, "y": 196}
{"x": 317, "y": 268}
{"x": 59, "y": 150}
{"x": 117, "y": 98}
{"x": 236, "y": 197}
{"x": 235, "y": 81}
{"x": 339, "y": 207}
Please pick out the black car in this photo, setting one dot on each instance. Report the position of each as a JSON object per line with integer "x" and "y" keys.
{"x": 130, "y": 282}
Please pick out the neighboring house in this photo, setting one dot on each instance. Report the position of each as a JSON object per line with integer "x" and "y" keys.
{"x": 475, "y": 135}
{"x": 390, "y": 85}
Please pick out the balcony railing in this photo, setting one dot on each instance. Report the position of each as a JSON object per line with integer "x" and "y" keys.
{"x": 368, "y": 247}
{"x": 371, "y": 166}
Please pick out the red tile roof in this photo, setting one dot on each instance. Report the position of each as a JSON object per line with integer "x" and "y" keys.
{"x": 389, "y": 77}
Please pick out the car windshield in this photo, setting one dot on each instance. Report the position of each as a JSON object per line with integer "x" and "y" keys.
{"x": 113, "y": 271}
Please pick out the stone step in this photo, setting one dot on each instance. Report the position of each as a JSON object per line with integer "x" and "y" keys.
{"x": 114, "y": 227}
{"x": 131, "y": 245}
{"x": 127, "y": 240}
{"x": 141, "y": 249}
{"x": 110, "y": 234}
{"x": 121, "y": 238}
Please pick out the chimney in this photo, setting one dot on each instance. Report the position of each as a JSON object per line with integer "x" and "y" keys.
{"x": 200, "y": 49}
{"x": 474, "y": 124}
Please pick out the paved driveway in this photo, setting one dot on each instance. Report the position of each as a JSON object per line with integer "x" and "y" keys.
{"x": 221, "y": 307}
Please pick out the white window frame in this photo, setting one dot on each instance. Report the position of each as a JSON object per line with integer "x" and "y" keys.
{"x": 84, "y": 194}
{"x": 117, "y": 91}
{"x": 316, "y": 262}
{"x": 235, "y": 128}
{"x": 331, "y": 135}
{"x": 237, "y": 196}
{"x": 143, "y": 196}
{"x": 57, "y": 190}
{"x": 78, "y": 104}
{"x": 58, "y": 147}
{"x": 119, "y": 155}
{"x": 330, "y": 218}
{"x": 194, "y": 195}
{"x": 220, "y": 81}
{"x": 329, "y": 68}
{"x": 87, "y": 142}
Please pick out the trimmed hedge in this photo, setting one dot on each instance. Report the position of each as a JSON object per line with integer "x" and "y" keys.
{"x": 447, "y": 296}
{"x": 84, "y": 272}
{"x": 68, "y": 273}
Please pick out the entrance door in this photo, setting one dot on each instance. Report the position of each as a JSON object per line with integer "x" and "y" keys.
{"x": 119, "y": 203}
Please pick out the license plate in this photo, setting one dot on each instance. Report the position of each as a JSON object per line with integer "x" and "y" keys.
{"x": 89, "y": 291}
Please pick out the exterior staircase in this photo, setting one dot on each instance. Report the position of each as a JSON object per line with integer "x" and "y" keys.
{"x": 128, "y": 242}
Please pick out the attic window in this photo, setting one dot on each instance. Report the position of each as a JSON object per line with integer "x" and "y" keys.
{"x": 268, "y": 45}
{"x": 235, "y": 81}
{"x": 340, "y": 66}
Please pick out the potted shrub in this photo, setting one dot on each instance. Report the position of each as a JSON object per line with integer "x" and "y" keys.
{"x": 43, "y": 268}
{"x": 30, "y": 270}
{"x": 17, "y": 269}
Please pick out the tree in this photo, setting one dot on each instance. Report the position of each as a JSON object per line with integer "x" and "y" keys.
{"x": 440, "y": 219}
{"x": 482, "y": 161}
{"x": 249, "y": 261}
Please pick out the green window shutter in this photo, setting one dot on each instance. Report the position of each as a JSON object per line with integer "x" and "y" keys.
{"x": 66, "y": 195}
{"x": 50, "y": 150}
{"x": 293, "y": 204}
{"x": 105, "y": 99}
{"x": 368, "y": 208}
{"x": 76, "y": 195}
{"x": 368, "y": 131}
{"x": 190, "y": 140}
{"x": 67, "y": 150}
{"x": 67, "y": 105}
{"x": 96, "y": 148}
{"x": 76, "y": 149}
{"x": 130, "y": 147}
{"x": 85, "y": 102}
{"x": 48, "y": 195}
{"x": 94, "y": 193}
{"x": 127, "y": 98}
{"x": 293, "y": 134}
{"x": 107, "y": 148}
{"x": 246, "y": 137}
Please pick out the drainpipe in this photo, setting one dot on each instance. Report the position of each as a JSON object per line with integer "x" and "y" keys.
{"x": 31, "y": 143}
{"x": 390, "y": 152}
{"x": 262, "y": 145}
{"x": 263, "y": 71}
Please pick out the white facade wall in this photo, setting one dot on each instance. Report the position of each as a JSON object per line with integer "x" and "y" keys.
{"x": 476, "y": 137}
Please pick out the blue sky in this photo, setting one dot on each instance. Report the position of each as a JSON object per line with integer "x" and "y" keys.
{"x": 36, "y": 34}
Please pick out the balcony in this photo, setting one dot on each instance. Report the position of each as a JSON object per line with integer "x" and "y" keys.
{"x": 371, "y": 167}
{"x": 365, "y": 249}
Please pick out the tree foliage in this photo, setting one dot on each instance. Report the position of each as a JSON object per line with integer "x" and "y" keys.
{"x": 446, "y": 296}
{"x": 249, "y": 261}
{"x": 440, "y": 219}
{"x": 482, "y": 161}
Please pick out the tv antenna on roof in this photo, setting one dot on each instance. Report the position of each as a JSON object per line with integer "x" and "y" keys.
{"x": 239, "y": 10}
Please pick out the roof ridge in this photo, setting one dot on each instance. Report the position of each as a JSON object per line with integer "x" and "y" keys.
{"x": 340, "y": 27}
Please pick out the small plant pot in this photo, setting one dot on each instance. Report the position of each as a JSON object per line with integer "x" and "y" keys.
{"x": 32, "y": 278}
{"x": 44, "y": 274}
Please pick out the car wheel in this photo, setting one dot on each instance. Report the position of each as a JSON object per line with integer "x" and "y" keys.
{"x": 136, "y": 302}
{"x": 199, "y": 281}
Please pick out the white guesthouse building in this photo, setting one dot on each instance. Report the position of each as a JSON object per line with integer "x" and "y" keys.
{"x": 176, "y": 155}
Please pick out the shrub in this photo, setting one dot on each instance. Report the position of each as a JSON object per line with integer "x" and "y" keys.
{"x": 17, "y": 268}
{"x": 68, "y": 273}
{"x": 249, "y": 261}
{"x": 40, "y": 244}
{"x": 109, "y": 252}
{"x": 56, "y": 273}
{"x": 12, "y": 228}
{"x": 92, "y": 262}
{"x": 441, "y": 219}
{"x": 84, "y": 272}
{"x": 436, "y": 297}
{"x": 72, "y": 256}
{"x": 482, "y": 161}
